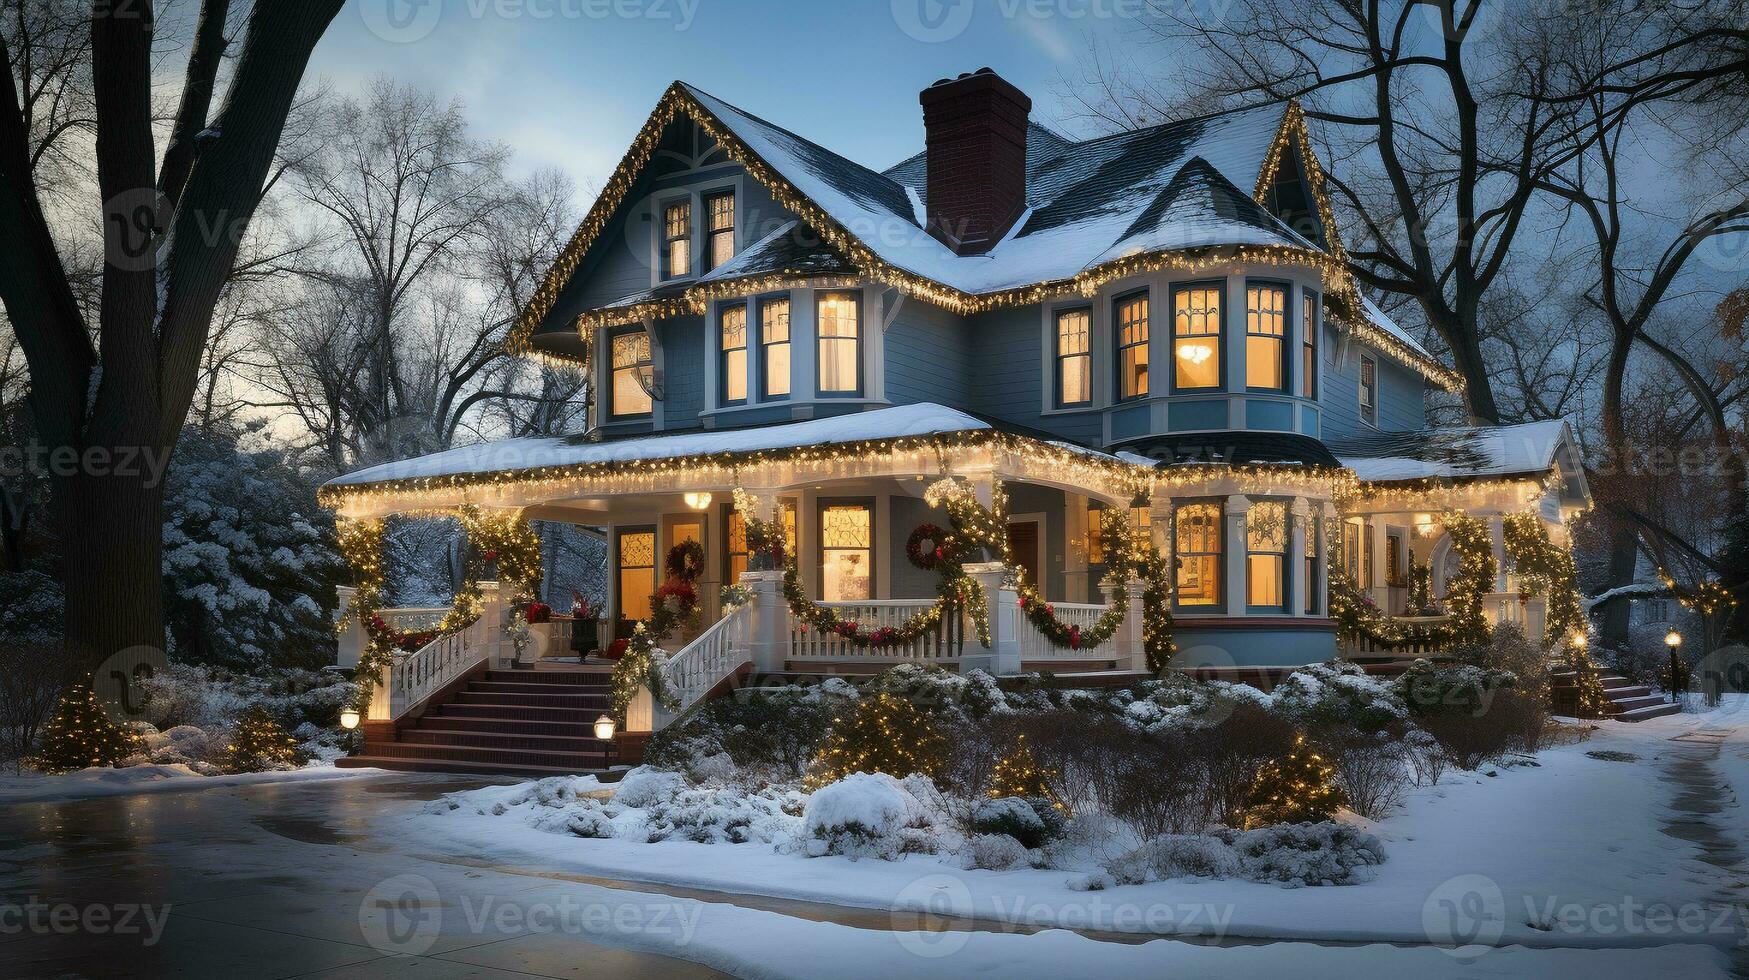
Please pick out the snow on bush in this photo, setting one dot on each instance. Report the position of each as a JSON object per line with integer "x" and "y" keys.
{"x": 935, "y": 690}
{"x": 189, "y": 695}
{"x": 873, "y": 815}
{"x": 994, "y": 852}
{"x": 1034, "y": 822}
{"x": 1286, "y": 854}
{"x": 644, "y": 786}
{"x": 1337, "y": 693}
{"x": 1458, "y": 689}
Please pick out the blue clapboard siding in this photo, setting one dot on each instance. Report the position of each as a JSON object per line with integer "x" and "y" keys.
{"x": 927, "y": 356}
{"x": 683, "y": 352}
{"x": 1005, "y": 379}
{"x": 1402, "y": 402}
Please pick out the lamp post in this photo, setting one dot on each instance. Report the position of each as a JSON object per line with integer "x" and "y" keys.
{"x": 604, "y": 727}
{"x": 349, "y": 720}
{"x": 1673, "y": 640}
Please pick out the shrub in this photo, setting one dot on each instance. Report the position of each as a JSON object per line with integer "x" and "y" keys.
{"x": 1176, "y": 856}
{"x": 880, "y": 733}
{"x": 1427, "y": 759}
{"x": 262, "y": 744}
{"x": 1231, "y": 753}
{"x": 32, "y": 677}
{"x": 1033, "y": 821}
{"x": 1158, "y": 784}
{"x": 865, "y": 815}
{"x": 1306, "y": 853}
{"x": 768, "y": 734}
{"x": 1463, "y": 689}
{"x": 1337, "y": 693}
{"x": 1300, "y": 787}
{"x": 1372, "y": 769}
{"x": 940, "y": 692}
{"x": 1511, "y": 651}
{"x": 1469, "y": 743}
{"x": 641, "y": 787}
{"x": 993, "y": 852}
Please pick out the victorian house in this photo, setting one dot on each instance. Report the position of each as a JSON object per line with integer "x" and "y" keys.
{"x": 1159, "y": 322}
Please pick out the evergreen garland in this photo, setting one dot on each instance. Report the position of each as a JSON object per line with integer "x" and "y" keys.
{"x": 1300, "y": 787}
{"x": 80, "y": 735}
{"x": 674, "y": 604}
{"x": 1547, "y": 570}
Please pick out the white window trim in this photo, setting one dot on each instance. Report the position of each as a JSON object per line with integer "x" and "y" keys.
{"x": 1360, "y": 389}
{"x": 693, "y": 194}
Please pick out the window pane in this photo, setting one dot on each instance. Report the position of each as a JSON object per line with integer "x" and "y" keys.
{"x": 629, "y": 396}
{"x": 1309, "y": 371}
{"x": 1263, "y": 362}
{"x": 1132, "y": 340}
{"x": 1196, "y": 329}
{"x": 677, "y": 229}
{"x": 630, "y": 357}
{"x": 1265, "y": 310}
{"x": 838, "y": 314}
{"x": 1198, "y": 552}
{"x": 637, "y": 573}
{"x": 846, "y": 535}
{"x": 1263, "y": 580}
{"x": 839, "y": 345}
{"x": 734, "y": 364}
{"x": 1266, "y": 527}
{"x": 1074, "y": 363}
{"x": 1369, "y": 381}
{"x": 1266, "y": 562}
{"x": 737, "y": 545}
{"x": 774, "y": 335}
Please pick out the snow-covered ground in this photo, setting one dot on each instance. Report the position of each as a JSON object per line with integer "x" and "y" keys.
{"x": 1570, "y": 851}
{"x": 36, "y": 787}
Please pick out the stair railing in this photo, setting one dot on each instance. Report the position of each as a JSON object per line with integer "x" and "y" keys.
{"x": 422, "y": 673}
{"x": 719, "y": 651}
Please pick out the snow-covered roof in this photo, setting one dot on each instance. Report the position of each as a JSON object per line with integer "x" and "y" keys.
{"x": 1455, "y": 453}
{"x": 532, "y": 453}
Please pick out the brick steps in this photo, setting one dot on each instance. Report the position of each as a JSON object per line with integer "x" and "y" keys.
{"x": 1628, "y": 701}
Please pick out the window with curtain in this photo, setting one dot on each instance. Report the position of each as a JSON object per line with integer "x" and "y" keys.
{"x": 677, "y": 238}
{"x": 632, "y": 367}
{"x": 1095, "y": 540}
{"x": 1074, "y": 358}
{"x": 1309, "y": 367}
{"x": 846, "y": 552}
{"x": 1266, "y": 555}
{"x": 1132, "y": 346}
{"x": 720, "y": 209}
{"x": 1196, "y": 337}
{"x": 1266, "y": 337}
{"x": 1313, "y": 531}
{"x": 736, "y": 544}
{"x": 1369, "y": 390}
{"x": 637, "y": 572}
{"x": 1197, "y": 547}
{"x": 733, "y": 363}
{"x": 774, "y": 345}
{"x": 839, "y": 319}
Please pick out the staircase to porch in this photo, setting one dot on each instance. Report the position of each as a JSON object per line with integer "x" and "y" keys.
{"x": 501, "y": 722}
{"x": 1627, "y": 701}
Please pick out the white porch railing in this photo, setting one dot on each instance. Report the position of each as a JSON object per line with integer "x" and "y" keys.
{"x": 414, "y": 619}
{"x": 1034, "y": 645}
{"x": 422, "y": 673}
{"x": 944, "y": 642}
{"x": 696, "y": 668}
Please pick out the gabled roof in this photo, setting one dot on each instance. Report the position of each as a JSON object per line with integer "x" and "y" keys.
{"x": 1170, "y": 196}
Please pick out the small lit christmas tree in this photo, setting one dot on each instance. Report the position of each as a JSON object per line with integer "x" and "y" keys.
{"x": 1297, "y": 788}
{"x": 1019, "y": 774}
{"x": 883, "y": 733}
{"x": 80, "y": 735}
{"x": 262, "y": 744}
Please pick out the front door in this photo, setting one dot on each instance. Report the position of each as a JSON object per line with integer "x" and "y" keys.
{"x": 1023, "y": 545}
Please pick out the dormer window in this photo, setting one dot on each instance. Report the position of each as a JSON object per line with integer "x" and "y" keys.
{"x": 1132, "y": 347}
{"x": 720, "y": 247}
{"x": 677, "y": 239}
{"x": 1266, "y": 338}
{"x": 1196, "y": 337}
{"x": 1369, "y": 390}
{"x": 633, "y": 374}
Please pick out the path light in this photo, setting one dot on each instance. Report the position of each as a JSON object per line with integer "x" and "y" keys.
{"x": 697, "y": 500}
{"x": 1673, "y": 640}
{"x": 604, "y": 728}
{"x": 349, "y": 718}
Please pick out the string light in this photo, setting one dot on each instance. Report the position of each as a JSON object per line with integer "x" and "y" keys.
{"x": 1300, "y": 787}
{"x": 80, "y": 734}
{"x": 881, "y": 733}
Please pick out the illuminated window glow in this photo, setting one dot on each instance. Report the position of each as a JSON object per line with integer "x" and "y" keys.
{"x": 1266, "y": 337}
{"x": 1196, "y": 337}
{"x": 633, "y": 371}
{"x": 1197, "y": 547}
{"x": 1266, "y": 555}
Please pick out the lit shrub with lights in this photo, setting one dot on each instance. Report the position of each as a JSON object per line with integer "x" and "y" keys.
{"x": 880, "y": 733}
{"x": 1300, "y": 787}
{"x": 261, "y": 744}
{"x": 80, "y": 735}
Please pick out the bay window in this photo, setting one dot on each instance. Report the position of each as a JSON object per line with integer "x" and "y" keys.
{"x": 1197, "y": 548}
{"x": 838, "y": 316}
{"x": 733, "y": 362}
{"x": 1074, "y": 358}
{"x": 1266, "y": 555}
{"x": 1196, "y": 337}
{"x": 633, "y": 372}
{"x": 774, "y": 345}
{"x": 1266, "y": 338}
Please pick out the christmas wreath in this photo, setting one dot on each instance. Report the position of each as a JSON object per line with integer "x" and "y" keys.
{"x": 941, "y": 547}
{"x": 685, "y": 561}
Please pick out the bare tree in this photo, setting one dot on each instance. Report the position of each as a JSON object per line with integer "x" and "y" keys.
{"x": 168, "y": 250}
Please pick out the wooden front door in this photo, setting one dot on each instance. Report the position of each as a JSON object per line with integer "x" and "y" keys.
{"x": 1023, "y": 545}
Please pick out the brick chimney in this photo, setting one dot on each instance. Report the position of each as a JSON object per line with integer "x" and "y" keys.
{"x": 975, "y": 141}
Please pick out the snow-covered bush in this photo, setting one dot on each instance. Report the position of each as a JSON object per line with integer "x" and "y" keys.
{"x": 1289, "y": 854}
{"x": 645, "y": 785}
{"x": 1175, "y": 856}
{"x": 190, "y": 695}
{"x": 871, "y": 815}
{"x": 721, "y": 815}
{"x": 768, "y": 735}
{"x": 1510, "y": 650}
{"x": 200, "y": 749}
{"x": 938, "y": 691}
{"x": 1338, "y": 693}
{"x": 1430, "y": 689}
{"x": 993, "y": 852}
{"x": 1033, "y": 821}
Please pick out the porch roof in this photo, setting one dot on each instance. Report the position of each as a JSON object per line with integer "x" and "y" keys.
{"x": 535, "y": 454}
{"x": 1464, "y": 453}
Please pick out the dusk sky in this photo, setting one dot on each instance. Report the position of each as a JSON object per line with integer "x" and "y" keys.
{"x": 567, "y": 82}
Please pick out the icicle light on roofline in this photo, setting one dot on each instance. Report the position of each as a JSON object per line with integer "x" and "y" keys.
{"x": 1338, "y": 280}
{"x": 1423, "y": 493}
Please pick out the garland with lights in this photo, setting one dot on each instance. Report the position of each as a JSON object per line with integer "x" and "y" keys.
{"x": 1358, "y": 615}
{"x": 1707, "y": 597}
{"x": 672, "y": 605}
{"x": 80, "y": 734}
{"x": 1547, "y": 570}
{"x": 1043, "y": 616}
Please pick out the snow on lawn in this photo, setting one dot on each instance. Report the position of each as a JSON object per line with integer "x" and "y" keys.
{"x": 98, "y": 781}
{"x": 1568, "y": 851}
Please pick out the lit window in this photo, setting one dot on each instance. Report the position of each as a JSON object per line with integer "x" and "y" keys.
{"x": 721, "y": 210}
{"x": 677, "y": 235}
{"x": 737, "y": 545}
{"x": 1132, "y": 347}
{"x": 1198, "y": 549}
{"x": 1196, "y": 337}
{"x": 1369, "y": 391}
{"x": 1095, "y": 540}
{"x": 1266, "y": 337}
{"x": 1309, "y": 369}
{"x": 734, "y": 360}
{"x": 787, "y": 508}
{"x": 774, "y": 340}
{"x": 846, "y": 553}
{"x": 637, "y": 573}
{"x": 633, "y": 373}
{"x": 1074, "y": 361}
{"x": 839, "y": 318}
{"x": 1393, "y": 560}
{"x": 1312, "y": 533}
{"x": 1266, "y": 555}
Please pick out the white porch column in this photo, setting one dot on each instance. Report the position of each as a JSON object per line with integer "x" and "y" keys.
{"x": 1132, "y": 653}
{"x": 381, "y": 709}
{"x": 1328, "y": 512}
{"x": 1497, "y": 540}
{"x": 768, "y": 627}
{"x": 489, "y": 628}
{"x": 1296, "y": 556}
{"x": 352, "y": 635}
{"x": 1236, "y": 546}
{"x": 1378, "y": 578}
{"x": 1003, "y": 657}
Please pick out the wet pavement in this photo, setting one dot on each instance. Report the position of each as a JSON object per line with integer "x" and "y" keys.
{"x": 280, "y": 880}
